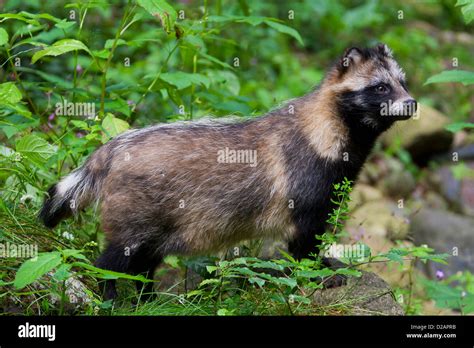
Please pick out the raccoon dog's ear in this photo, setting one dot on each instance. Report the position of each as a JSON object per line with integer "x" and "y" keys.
{"x": 352, "y": 56}
{"x": 384, "y": 50}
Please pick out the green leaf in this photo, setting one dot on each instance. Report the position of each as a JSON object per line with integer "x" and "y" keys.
{"x": 33, "y": 269}
{"x": 255, "y": 280}
{"x": 461, "y": 171}
{"x": 182, "y": 80}
{"x": 465, "y": 77}
{"x": 60, "y": 47}
{"x": 224, "y": 312}
{"x": 62, "y": 273}
{"x": 64, "y": 24}
{"x": 325, "y": 272}
{"x": 467, "y": 9}
{"x": 285, "y": 30}
{"x": 3, "y": 37}
{"x": 299, "y": 298}
{"x": 215, "y": 60}
{"x": 348, "y": 272}
{"x": 9, "y": 93}
{"x": 447, "y": 296}
{"x": 109, "y": 43}
{"x": 113, "y": 126}
{"x": 73, "y": 253}
{"x": 456, "y": 127}
{"x": 106, "y": 274}
{"x": 268, "y": 264}
{"x": 161, "y": 10}
{"x": 19, "y": 17}
{"x": 35, "y": 148}
{"x": 117, "y": 105}
{"x": 172, "y": 260}
{"x": 211, "y": 269}
{"x": 286, "y": 281}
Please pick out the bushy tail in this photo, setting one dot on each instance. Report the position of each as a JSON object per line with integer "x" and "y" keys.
{"x": 72, "y": 193}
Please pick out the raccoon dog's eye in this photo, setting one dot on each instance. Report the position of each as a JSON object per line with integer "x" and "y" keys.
{"x": 382, "y": 88}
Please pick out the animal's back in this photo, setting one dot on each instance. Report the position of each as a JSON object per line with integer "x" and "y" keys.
{"x": 168, "y": 185}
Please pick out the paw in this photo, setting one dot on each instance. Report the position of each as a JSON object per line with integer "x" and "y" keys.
{"x": 334, "y": 281}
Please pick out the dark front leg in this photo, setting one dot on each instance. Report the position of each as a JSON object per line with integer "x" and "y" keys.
{"x": 305, "y": 243}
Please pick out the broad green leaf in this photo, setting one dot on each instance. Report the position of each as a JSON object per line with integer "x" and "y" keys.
{"x": 161, "y": 10}
{"x": 211, "y": 269}
{"x": 9, "y": 93}
{"x": 183, "y": 80}
{"x": 456, "y": 127}
{"x": 256, "y": 280}
{"x": 395, "y": 255}
{"x": 60, "y": 47}
{"x": 62, "y": 273}
{"x": 106, "y": 274}
{"x": 467, "y": 9}
{"x": 447, "y": 296}
{"x": 64, "y": 24}
{"x": 73, "y": 253}
{"x": 348, "y": 272}
{"x": 465, "y": 77}
{"x": 172, "y": 260}
{"x": 5, "y": 16}
{"x": 286, "y": 281}
{"x": 325, "y": 272}
{"x": 3, "y": 37}
{"x": 285, "y": 30}
{"x": 113, "y": 126}
{"x": 109, "y": 43}
{"x": 33, "y": 269}
{"x": 35, "y": 148}
{"x": 80, "y": 124}
{"x": 117, "y": 105}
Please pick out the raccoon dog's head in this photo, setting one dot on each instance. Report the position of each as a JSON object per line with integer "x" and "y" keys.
{"x": 371, "y": 89}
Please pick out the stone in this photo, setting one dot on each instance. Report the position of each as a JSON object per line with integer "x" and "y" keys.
{"x": 365, "y": 295}
{"x": 458, "y": 192}
{"x": 422, "y": 136}
{"x": 445, "y": 232}
{"x": 379, "y": 218}
{"x": 362, "y": 193}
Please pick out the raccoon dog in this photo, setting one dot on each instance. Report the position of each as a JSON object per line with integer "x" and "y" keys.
{"x": 197, "y": 187}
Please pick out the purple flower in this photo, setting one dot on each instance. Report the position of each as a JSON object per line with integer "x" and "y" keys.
{"x": 130, "y": 102}
{"x": 50, "y": 119}
{"x": 79, "y": 68}
{"x": 439, "y": 274}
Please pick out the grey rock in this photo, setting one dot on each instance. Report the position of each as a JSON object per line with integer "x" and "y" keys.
{"x": 445, "y": 232}
{"x": 365, "y": 295}
{"x": 379, "y": 218}
{"x": 458, "y": 192}
{"x": 422, "y": 136}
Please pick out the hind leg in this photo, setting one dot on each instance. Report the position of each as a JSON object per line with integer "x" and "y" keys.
{"x": 119, "y": 258}
{"x": 113, "y": 259}
{"x": 143, "y": 262}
